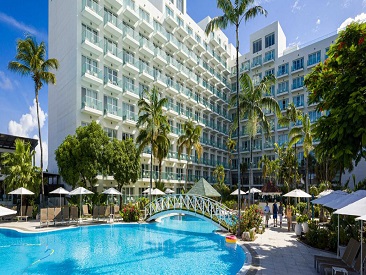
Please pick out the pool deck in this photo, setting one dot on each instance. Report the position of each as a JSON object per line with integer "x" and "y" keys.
{"x": 276, "y": 251}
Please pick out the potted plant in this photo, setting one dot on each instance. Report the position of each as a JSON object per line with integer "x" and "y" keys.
{"x": 302, "y": 224}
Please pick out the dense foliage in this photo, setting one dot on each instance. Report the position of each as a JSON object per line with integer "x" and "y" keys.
{"x": 130, "y": 213}
{"x": 251, "y": 218}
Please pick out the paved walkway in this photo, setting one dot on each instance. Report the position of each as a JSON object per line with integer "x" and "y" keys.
{"x": 279, "y": 252}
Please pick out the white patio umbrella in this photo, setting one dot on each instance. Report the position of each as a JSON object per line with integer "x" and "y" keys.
{"x": 327, "y": 198}
{"x": 254, "y": 190}
{"x": 6, "y": 211}
{"x": 157, "y": 191}
{"x": 297, "y": 193}
{"x": 21, "y": 191}
{"x": 236, "y": 192}
{"x": 324, "y": 193}
{"x": 112, "y": 191}
{"x": 60, "y": 191}
{"x": 169, "y": 191}
{"x": 346, "y": 200}
{"x": 147, "y": 191}
{"x": 80, "y": 191}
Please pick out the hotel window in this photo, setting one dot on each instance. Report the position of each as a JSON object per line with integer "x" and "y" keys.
{"x": 126, "y": 136}
{"x": 180, "y": 6}
{"x": 180, "y": 22}
{"x": 90, "y": 66}
{"x": 111, "y": 17}
{"x": 142, "y": 90}
{"x": 111, "y": 133}
{"x": 268, "y": 56}
{"x": 269, "y": 72}
{"x": 110, "y": 76}
{"x": 89, "y": 34}
{"x": 282, "y": 139}
{"x": 314, "y": 58}
{"x": 257, "y": 61}
{"x": 89, "y": 98}
{"x": 298, "y": 82}
{"x": 198, "y": 38}
{"x": 269, "y": 40}
{"x": 128, "y": 83}
{"x": 282, "y": 69}
{"x": 314, "y": 116}
{"x": 128, "y": 57}
{"x": 189, "y": 30}
{"x": 257, "y": 45}
{"x": 111, "y": 105}
{"x": 129, "y": 110}
{"x": 269, "y": 142}
{"x": 299, "y": 101}
{"x": 283, "y": 104}
{"x": 169, "y": 11}
{"x": 144, "y": 15}
{"x": 326, "y": 53}
{"x": 298, "y": 64}
{"x": 110, "y": 46}
{"x": 257, "y": 79}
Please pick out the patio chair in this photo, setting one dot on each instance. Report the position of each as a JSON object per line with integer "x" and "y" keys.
{"x": 43, "y": 217}
{"x": 95, "y": 212}
{"x": 354, "y": 268}
{"x": 29, "y": 213}
{"x": 58, "y": 215}
{"x": 50, "y": 215}
{"x": 107, "y": 212}
{"x": 65, "y": 214}
{"x": 117, "y": 216}
{"x": 348, "y": 257}
{"x": 86, "y": 211}
{"x": 101, "y": 211}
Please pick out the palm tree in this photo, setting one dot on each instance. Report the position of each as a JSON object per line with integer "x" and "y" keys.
{"x": 303, "y": 132}
{"x": 162, "y": 147}
{"x": 30, "y": 61}
{"x": 150, "y": 123}
{"x": 19, "y": 169}
{"x": 219, "y": 173}
{"x": 190, "y": 139}
{"x": 253, "y": 101}
{"x": 265, "y": 163}
{"x": 230, "y": 144}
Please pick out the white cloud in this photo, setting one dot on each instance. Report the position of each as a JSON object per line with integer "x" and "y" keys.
{"x": 26, "y": 127}
{"x": 296, "y": 6}
{"x": 21, "y": 26}
{"x": 318, "y": 21}
{"x": 359, "y": 18}
{"x": 5, "y": 82}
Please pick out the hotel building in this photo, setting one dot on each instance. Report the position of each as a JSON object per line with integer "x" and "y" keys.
{"x": 111, "y": 50}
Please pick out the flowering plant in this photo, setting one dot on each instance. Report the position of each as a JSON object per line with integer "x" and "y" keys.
{"x": 130, "y": 213}
{"x": 251, "y": 218}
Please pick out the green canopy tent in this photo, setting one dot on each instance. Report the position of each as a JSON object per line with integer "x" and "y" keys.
{"x": 203, "y": 188}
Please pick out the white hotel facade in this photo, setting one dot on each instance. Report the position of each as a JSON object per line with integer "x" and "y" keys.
{"x": 111, "y": 50}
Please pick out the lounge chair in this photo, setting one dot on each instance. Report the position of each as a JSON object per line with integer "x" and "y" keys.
{"x": 86, "y": 211}
{"x": 29, "y": 212}
{"x": 107, "y": 212}
{"x": 43, "y": 217}
{"x": 73, "y": 213}
{"x": 65, "y": 214}
{"x": 58, "y": 215}
{"x": 101, "y": 212}
{"x": 116, "y": 215}
{"x": 50, "y": 215}
{"x": 348, "y": 257}
{"x": 351, "y": 269}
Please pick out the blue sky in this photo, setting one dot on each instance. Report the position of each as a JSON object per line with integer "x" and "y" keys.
{"x": 302, "y": 21}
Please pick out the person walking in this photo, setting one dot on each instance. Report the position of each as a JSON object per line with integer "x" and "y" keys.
{"x": 267, "y": 212}
{"x": 289, "y": 217}
{"x": 275, "y": 212}
{"x": 280, "y": 213}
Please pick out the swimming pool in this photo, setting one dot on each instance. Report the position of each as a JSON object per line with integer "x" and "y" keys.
{"x": 177, "y": 245}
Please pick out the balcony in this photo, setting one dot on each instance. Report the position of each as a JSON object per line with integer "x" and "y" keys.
{"x": 145, "y": 23}
{"x": 115, "y": 3}
{"x": 146, "y": 72}
{"x": 112, "y": 25}
{"x": 112, "y": 55}
{"x": 313, "y": 62}
{"x": 91, "y": 106}
{"x": 183, "y": 51}
{"x": 282, "y": 91}
{"x": 91, "y": 74}
{"x": 131, "y": 38}
{"x": 160, "y": 34}
{"x": 181, "y": 30}
{"x": 172, "y": 43}
{"x": 296, "y": 69}
{"x": 129, "y": 118}
{"x": 282, "y": 73}
{"x": 170, "y": 21}
{"x": 268, "y": 59}
{"x": 256, "y": 63}
{"x": 112, "y": 84}
{"x": 130, "y": 11}
{"x": 146, "y": 47}
{"x": 91, "y": 42}
{"x": 160, "y": 57}
{"x": 130, "y": 91}
{"x": 113, "y": 113}
{"x": 171, "y": 109}
{"x": 160, "y": 81}
{"x": 297, "y": 87}
{"x": 172, "y": 64}
{"x": 92, "y": 11}
{"x": 130, "y": 64}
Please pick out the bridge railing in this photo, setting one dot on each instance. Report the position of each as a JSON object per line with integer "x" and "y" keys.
{"x": 214, "y": 210}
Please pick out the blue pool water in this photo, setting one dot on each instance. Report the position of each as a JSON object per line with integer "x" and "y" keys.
{"x": 177, "y": 245}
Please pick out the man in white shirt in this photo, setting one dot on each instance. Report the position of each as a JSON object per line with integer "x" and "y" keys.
{"x": 267, "y": 212}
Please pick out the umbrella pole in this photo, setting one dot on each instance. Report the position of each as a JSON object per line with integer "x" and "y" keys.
{"x": 21, "y": 205}
{"x": 361, "y": 224}
{"x": 338, "y": 252}
{"x": 80, "y": 208}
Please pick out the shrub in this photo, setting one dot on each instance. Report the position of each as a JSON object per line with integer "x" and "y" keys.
{"x": 251, "y": 218}
{"x": 130, "y": 213}
{"x": 302, "y": 219}
{"x": 301, "y": 206}
{"x": 231, "y": 204}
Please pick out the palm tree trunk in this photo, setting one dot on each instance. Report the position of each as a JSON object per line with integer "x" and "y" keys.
{"x": 151, "y": 171}
{"x": 40, "y": 144}
{"x": 186, "y": 181}
{"x": 250, "y": 167}
{"x": 307, "y": 179}
{"x": 238, "y": 115}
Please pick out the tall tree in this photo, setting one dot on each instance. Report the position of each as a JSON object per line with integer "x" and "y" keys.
{"x": 162, "y": 147}
{"x": 304, "y": 132}
{"x": 338, "y": 87}
{"x": 80, "y": 158}
{"x": 230, "y": 145}
{"x": 123, "y": 161}
{"x": 188, "y": 140}
{"x": 234, "y": 15}
{"x": 150, "y": 122}
{"x": 31, "y": 61}
{"x": 265, "y": 164}
{"x": 219, "y": 173}
{"x": 18, "y": 168}
{"x": 253, "y": 101}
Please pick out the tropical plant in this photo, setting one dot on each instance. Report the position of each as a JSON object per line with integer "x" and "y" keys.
{"x": 338, "y": 86}
{"x": 234, "y": 15}
{"x": 288, "y": 165}
{"x": 18, "y": 168}
{"x": 292, "y": 114}
{"x": 324, "y": 185}
{"x": 314, "y": 190}
{"x": 304, "y": 132}
{"x": 130, "y": 213}
{"x": 253, "y": 101}
{"x": 252, "y": 218}
{"x": 230, "y": 145}
{"x": 161, "y": 150}
{"x": 30, "y": 61}
{"x": 219, "y": 174}
{"x": 150, "y": 122}
{"x": 265, "y": 164}
{"x": 188, "y": 140}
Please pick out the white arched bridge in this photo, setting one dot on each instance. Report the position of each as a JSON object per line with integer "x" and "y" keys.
{"x": 193, "y": 205}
